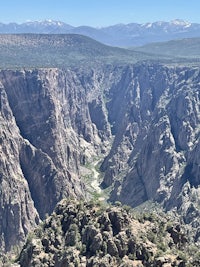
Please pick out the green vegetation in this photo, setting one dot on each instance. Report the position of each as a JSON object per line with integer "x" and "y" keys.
{"x": 92, "y": 180}
{"x": 92, "y": 232}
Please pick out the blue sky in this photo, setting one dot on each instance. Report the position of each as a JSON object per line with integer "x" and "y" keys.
{"x": 99, "y": 13}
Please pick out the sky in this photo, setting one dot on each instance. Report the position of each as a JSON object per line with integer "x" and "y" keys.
{"x": 99, "y": 13}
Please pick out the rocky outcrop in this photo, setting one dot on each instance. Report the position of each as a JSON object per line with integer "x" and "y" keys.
{"x": 84, "y": 234}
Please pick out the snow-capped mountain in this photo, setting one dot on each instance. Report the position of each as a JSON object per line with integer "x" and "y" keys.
{"x": 46, "y": 26}
{"x": 43, "y": 27}
{"x": 132, "y": 34}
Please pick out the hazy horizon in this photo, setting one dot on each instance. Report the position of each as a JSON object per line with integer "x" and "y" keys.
{"x": 99, "y": 13}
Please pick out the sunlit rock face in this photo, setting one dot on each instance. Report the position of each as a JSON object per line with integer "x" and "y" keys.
{"x": 156, "y": 129}
{"x": 143, "y": 120}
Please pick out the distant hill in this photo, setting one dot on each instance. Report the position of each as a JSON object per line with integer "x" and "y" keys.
{"x": 123, "y": 35}
{"x": 187, "y": 48}
{"x": 39, "y": 50}
{"x": 66, "y": 50}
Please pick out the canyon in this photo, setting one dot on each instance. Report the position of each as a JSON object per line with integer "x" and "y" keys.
{"x": 141, "y": 121}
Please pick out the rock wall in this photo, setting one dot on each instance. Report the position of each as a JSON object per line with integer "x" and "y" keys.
{"x": 155, "y": 153}
{"x": 47, "y": 133}
{"x": 156, "y": 129}
{"x": 17, "y": 212}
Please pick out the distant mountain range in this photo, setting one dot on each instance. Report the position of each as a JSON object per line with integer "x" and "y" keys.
{"x": 124, "y": 35}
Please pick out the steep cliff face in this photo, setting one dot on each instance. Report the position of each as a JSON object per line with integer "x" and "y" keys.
{"x": 156, "y": 134}
{"x": 155, "y": 153}
{"x": 53, "y": 122}
{"x": 17, "y": 212}
{"x": 142, "y": 119}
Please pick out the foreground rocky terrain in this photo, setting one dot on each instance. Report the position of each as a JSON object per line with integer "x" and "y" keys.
{"x": 85, "y": 234}
{"x": 141, "y": 121}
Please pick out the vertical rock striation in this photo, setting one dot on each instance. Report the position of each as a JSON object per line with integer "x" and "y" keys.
{"x": 17, "y": 212}
{"x": 155, "y": 150}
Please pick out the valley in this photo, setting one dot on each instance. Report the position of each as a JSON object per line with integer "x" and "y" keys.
{"x": 126, "y": 132}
